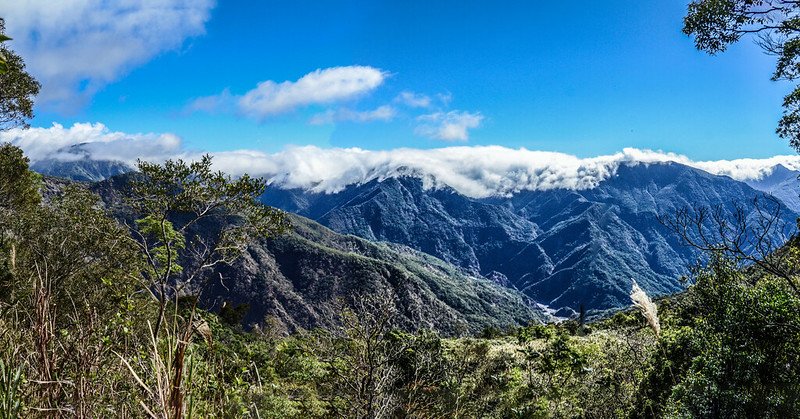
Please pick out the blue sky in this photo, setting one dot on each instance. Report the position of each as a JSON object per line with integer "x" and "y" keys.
{"x": 584, "y": 78}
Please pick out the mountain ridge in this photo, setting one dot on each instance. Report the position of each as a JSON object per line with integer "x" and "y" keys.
{"x": 563, "y": 248}
{"x": 302, "y": 279}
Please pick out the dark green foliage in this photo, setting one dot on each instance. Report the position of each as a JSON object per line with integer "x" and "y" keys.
{"x": 677, "y": 349}
{"x": 172, "y": 202}
{"x": 233, "y": 315}
{"x": 3, "y": 59}
{"x": 17, "y": 87}
{"x": 10, "y": 387}
{"x": 734, "y": 350}
{"x": 194, "y": 188}
{"x": 19, "y": 193}
{"x": 19, "y": 187}
{"x": 491, "y": 332}
{"x": 68, "y": 299}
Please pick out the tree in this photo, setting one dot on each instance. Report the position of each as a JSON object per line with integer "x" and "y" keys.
{"x": 189, "y": 220}
{"x": 66, "y": 292}
{"x": 715, "y": 24}
{"x": 763, "y": 238}
{"x": 19, "y": 193}
{"x": 75, "y": 268}
{"x": 733, "y": 350}
{"x": 360, "y": 357}
{"x": 17, "y": 87}
{"x": 3, "y": 60}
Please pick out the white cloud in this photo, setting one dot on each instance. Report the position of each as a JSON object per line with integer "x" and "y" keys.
{"x": 748, "y": 169}
{"x": 445, "y": 98}
{"x": 75, "y": 47}
{"x": 94, "y": 140}
{"x": 478, "y": 171}
{"x": 413, "y": 100}
{"x": 450, "y": 126}
{"x": 381, "y": 113}
{"x": 323, "y": 86}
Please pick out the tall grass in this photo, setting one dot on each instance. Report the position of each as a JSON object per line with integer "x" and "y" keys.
{"x": 10, "y": 389}
{"x": 646, "y": 306}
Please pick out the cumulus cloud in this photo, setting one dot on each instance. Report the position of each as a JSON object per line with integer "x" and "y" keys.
{"x": 382, "y": 113}
{"x": 322, "y": 86}
{"x": 75, "y": 47}
{"x": 478, "y": 171}
{"x": 448, "y": 126}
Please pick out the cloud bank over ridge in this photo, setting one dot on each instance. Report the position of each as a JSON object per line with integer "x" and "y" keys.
{"x": 475, "y": 171}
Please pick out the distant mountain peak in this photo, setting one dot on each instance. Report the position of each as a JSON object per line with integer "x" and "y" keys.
{"x": 82, "y": 170}
{"x": 782, "y": 183}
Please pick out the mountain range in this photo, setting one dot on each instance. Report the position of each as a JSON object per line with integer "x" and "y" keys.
{"x": 553, "y": 251}
{"x": 562, "y": 248}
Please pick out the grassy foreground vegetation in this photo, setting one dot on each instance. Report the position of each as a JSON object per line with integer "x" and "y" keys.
{"x": 99, "y": 317}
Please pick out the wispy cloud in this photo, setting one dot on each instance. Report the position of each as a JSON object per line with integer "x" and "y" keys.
{"x": 220, "y": 103}
{"x": 75, "y": 47}
{"x": 382, "y": 113}
{"x": 413, "y": 100}
{"x": 323, "y": 86}
{"x": 445, "y": 98}
{"x": 478, "y": 171}
{"x": 448, "y": 126}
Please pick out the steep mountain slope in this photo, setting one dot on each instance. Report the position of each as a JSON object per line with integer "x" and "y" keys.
{"x": 298, "y": 280}
{"x": 76, "y": 163}
{"x": 563, "y": 248}
{"x": 84, "y": 170}
{"x": 438, "y": 222}
{"x": 783, "y": 184}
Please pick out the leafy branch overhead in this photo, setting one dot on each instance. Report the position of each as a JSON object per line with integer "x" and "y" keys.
{"x": 775, "y": 24}
{"x": 17, "y": 87}
{"x": 196, "y": 193}
{"x": 3, "y": 61}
